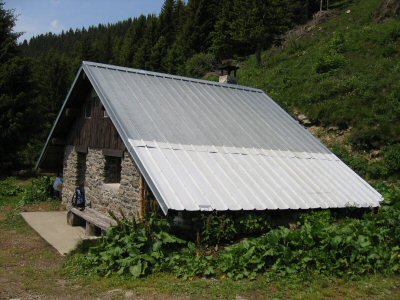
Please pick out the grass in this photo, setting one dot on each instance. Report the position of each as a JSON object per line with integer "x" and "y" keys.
{"x": 27, "y": 262}
{"x": 263, "y": 287}
{"x": 358, "y": 85}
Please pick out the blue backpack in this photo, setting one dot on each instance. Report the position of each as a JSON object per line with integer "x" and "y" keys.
{"x": 79, "y": 198}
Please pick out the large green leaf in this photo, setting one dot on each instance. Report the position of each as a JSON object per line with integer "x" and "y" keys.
{"x": 136, "y": 270}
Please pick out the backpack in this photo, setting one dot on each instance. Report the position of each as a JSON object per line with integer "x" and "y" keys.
{"x": 79, "y": 199}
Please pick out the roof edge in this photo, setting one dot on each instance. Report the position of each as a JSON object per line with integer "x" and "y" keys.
{"x": 119, "y": 128}
{"x": 121, "y": 131}
{"x": 58, "y": 117}
{"x": 175, "y": 77}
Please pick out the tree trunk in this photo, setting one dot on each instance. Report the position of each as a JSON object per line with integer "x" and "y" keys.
{"x": 258, "y": 54}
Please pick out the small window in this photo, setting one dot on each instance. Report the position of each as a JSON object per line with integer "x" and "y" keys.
{"x": 112, "y": 169}
{"x": 105, "y": 114}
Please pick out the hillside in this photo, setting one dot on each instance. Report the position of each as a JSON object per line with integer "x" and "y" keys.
{"x": 341, "y": 72}
{"x": 338, "y": 72}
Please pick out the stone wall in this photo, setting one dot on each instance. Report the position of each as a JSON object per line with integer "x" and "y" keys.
{"x": 101, "y": 196}
{"x": 69, "y": 173}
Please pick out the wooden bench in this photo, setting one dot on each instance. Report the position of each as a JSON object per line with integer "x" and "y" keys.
{"x": 92, "y": 219}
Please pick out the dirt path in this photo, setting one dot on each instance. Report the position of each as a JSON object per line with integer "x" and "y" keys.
{"x": 31, "y": 269}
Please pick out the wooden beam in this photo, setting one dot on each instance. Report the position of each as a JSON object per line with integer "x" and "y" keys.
{"x": 57, "y": 141}
{"x": 72, "y": 112}
{"x": 81, "y": 149}
{"x": 113, "y": 152}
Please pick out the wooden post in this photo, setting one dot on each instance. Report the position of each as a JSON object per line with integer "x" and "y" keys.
{"x": 142, "y": 209}
{"x": 74, "y": 220}
{"x": 90, "y": 229}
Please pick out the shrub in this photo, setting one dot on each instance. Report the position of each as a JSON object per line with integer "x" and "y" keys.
{"x": 337, "y": 43}
{"x": 389, "y": 50}
{"x": 320, "y": 244}
{"x": 333, "y": 57}
{"x": 330, "y": 61}
{"x": 250, "y": 224}
{"x": 40, "y": 189}
{"x": 294, "y": 46}
{"x": 365, "y": 138}
{"x": 134, "y": 248}
{"x": 393, "y": 34}
{"x": 392, "y": 159}
{"x": 391, "y": 196}
{"x": 8, "y": 187}
{"x": 377, "y": 170}
{"x": 199, "y": 64}
{"x": 217, "y": 228}
{"x": 349, "y": 248}
{"x": 222, "y": 227}
{"x": 190, "y": 262}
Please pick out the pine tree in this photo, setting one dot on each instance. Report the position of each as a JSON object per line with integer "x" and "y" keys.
{"x": 179, "y": 15}
{"x": 141, "y": 57}
{"x": 87, "y": 51}
{"x": 200, "y": 20}
{"x": 174, "y": 62}
{"x": 18, "y": 99}
{"x": 8, "y": 39}
{"x": 54, "y": 79}
{"x": 222, "y": 43}
{"x": 258, "y": 23}
{"x": 132, "y": 41}
{"x": 107, "y": 47}
{"x": 158, "y": 52}
{"x": 167, "y": 23}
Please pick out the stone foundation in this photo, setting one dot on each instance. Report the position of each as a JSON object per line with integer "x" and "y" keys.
{"x": 101, "y": 196}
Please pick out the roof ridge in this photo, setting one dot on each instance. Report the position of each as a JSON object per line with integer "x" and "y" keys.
{"x": 170, "y": 76}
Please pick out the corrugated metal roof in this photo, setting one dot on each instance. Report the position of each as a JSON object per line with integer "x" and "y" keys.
{"x": 203, "y": 145}
{"x": 177, "y": 110}
{"x": 194, "y": 179}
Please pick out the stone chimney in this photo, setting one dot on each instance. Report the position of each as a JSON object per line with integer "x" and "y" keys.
{"x": 226, "y": 69}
